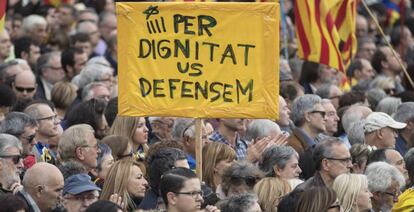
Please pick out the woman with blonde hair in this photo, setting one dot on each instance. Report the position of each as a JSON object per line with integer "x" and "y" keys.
{"x": 353, "y": 193}
{"x": 135, "y": 130}
{"x": 216, "y": 157}
{"x": 126, "y": 178}
{"x": 269, "y": 191}
{"x": 62, "y": 95}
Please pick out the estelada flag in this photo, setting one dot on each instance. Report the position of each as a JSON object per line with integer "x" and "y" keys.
{"x": 325, "y": 31}
{"x": 3, "y": 4}
{"x": 345, "y": 23}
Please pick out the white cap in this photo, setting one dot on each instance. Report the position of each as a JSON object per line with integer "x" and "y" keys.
{"x": 378, "y": 120}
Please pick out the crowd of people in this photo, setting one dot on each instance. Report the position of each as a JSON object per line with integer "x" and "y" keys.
{"x": 343, "y": 140}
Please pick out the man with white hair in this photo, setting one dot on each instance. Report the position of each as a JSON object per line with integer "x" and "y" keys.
{"x": 35, "y": 26}
{"x": 11, "y": 163}
{"x": 309, "y": 116}
{"x": 384, "y": 182}
{"x": 332, "y": 118}
{"x": 381, "y": 130}
{"x": 184, "y": 131}
{"x": 95, "y": 90}
{"x": 78, "y": 143}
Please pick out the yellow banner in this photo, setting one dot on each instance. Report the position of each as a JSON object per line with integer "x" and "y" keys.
{"x": 199, "y": 60}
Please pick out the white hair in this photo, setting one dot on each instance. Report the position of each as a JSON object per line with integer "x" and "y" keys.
{"x": 31, "y": 21}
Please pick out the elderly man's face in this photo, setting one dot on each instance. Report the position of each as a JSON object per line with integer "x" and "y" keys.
{"x": 81, "y": 201}
{"x": 339, "y": 162}
{"x": 387, "y": 136}
{"x": 394, "y": 158}
{"x": 331, "y": 119}
{"x": 11, "y": 167}
{"x": 317, "y": 118}
{"x": 52, "y": 192}
{"x": 91, "y": 151}
{"x": 163, "y": 127}
{"x": 190, "y": 143}
{"x": 384, "y": 201}
{"x": 39, "y": 33}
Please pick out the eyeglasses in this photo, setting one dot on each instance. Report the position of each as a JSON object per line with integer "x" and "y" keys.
{"x": 53, "y": 118}
{"x": 323, "y": 113}
{"x": 394, "y": 195}
{"x": 193, "y": 194}
{"x": 22, "y": 89}
{"x": 30, "y": 138}
{"x": 343, "y": 160}
{"x": 88, "y": 146}
{"x": 238, "y": 180}
{"x": 15, "y": 158}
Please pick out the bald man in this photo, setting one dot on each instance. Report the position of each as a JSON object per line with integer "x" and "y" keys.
{"x": 24, "y": 85}
{"x": 42, "y": 192}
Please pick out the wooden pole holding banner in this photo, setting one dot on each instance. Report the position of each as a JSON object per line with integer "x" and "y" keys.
{"x": 199, "y": 148}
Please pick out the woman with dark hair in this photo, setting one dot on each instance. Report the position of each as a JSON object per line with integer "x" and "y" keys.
{"x": 318, "y": 199}
{"x": 90, "y": 112}
{"x": 181, "y": 190}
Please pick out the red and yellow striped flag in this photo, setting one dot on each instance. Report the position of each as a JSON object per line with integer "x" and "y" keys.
{"x": 345, "y": 22}
{"x": 323, "y": 31}
{"x": 3, "y": 4}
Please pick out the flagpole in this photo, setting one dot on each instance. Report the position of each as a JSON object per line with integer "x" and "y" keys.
{"x": 388, "y": 43}
{"x": 284, "y": 29}
{"x": 199, "y": 148}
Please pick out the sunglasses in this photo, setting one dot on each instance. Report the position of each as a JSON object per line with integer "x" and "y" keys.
{"x": 30, "y": 138}
{"x": 21, "y": 89}
{"x": 238, "y": 180}
{"x": 15, "y": 158}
